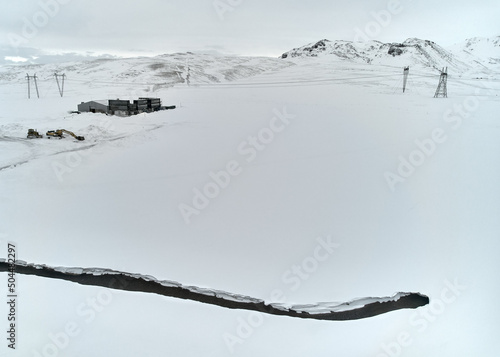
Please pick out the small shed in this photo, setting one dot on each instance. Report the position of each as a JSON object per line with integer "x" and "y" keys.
{"x": 94, "y": 106}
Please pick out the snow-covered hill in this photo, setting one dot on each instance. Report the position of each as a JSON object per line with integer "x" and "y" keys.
{"x": 151, "y": 72}
{"x": 480, "y": 50}
{"x": 411, "y": 52}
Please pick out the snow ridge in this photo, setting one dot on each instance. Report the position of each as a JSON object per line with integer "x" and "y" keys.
{"x": 411, "y": 52}
{"x": 352, "y": 310}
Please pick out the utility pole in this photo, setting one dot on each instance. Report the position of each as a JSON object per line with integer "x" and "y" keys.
{"x": 61, "y": 91}
{"x": 406, "y": 71}
{"x": 442, "y": 90}
{"x": 188, "y": 75}
{"x": 28, "y": 77}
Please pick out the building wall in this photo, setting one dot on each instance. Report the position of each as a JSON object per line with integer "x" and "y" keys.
{"x": 153, "y": 104}
{"x": 92, "y": 107}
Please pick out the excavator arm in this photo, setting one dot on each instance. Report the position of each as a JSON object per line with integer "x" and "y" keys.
{"x": 59, "y": 134}
{"x": 72, "y": 134}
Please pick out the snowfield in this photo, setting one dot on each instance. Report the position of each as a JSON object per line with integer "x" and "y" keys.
{"x": 294, "y": 181}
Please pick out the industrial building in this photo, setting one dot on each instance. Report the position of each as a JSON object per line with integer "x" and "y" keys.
{"x": 94, "y": 106}
{"x": 122, "y": 107}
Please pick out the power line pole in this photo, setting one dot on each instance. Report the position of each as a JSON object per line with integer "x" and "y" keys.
{"x": 28, "y": 78}
{"x": 442, "y": 90}
{"x": 61, "y": 91}
{"x": 406, "y": 71}
{"x": 34, "y": 77}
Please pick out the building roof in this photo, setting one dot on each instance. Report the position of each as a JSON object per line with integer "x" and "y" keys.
{"x": 103, "y": 101}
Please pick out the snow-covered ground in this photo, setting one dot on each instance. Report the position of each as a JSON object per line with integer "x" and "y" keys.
{"x": 310, "y": 181}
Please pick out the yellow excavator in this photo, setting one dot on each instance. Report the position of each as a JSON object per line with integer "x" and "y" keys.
{"x": 59, "y": 134}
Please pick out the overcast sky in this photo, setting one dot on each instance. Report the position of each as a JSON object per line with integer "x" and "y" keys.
{"x": 244, "y": 27}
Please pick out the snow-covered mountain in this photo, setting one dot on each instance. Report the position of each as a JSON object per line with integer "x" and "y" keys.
{"x": 149, "y": 74}
{"x": 485, "y": 51}
{"x": 157, "y": 72}
{"x": 413, "y": 51}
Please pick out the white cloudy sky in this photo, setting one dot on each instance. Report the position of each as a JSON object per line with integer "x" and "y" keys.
{"x": 246, "y": 27}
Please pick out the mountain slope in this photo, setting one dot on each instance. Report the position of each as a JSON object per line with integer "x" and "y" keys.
{"x": 149, "y": 74}
{"x": 413, "y": 52}
{"x": 156, "y": 72}
{"x": 481, "y": 50}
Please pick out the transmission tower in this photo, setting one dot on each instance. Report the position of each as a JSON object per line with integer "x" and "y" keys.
{"x": 34, "y": 77}
{"x": 441, "y": 90}
{"x": 406, "y": 71}
{"x": 61, "y": 88}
